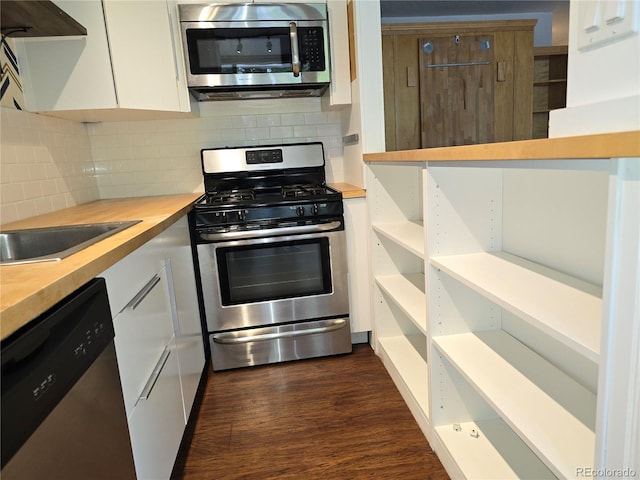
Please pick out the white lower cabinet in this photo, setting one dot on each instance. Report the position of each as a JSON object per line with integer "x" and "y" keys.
{"x": 356, "y": 221}
{"x": 496, "y": 309}
{"x": 159, "y": 345}
{"x": 143, "y": 329}
{"x": 185, "y": 312}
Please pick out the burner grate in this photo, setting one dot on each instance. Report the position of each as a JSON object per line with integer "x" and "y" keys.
{"x": 302, "y": 191}
{"x": 230, "y": 196}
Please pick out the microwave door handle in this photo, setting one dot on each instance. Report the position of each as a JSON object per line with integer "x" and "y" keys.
{"x": 295, "y": 53}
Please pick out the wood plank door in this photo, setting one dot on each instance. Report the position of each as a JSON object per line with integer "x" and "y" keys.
{"x": 456, "y": 90}
{"x": 401, "y": 91}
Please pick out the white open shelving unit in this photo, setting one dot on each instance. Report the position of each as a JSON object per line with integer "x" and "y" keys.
{"x": 475, "y": 284}
{"x": 507, "y": 335}
{"x": 400, "y": 304}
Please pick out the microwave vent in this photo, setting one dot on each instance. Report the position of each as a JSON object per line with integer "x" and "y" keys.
{"x": 255, "y": 93}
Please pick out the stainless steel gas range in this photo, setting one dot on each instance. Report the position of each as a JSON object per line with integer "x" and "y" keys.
{"x": 271, "y": 250}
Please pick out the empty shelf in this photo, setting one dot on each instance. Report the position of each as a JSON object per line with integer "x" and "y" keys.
{"x": 568, "y": 314}
{"x": 489, "y": 449}
{"x": 407, "y": 291}
{"x": 549, "y": 411}
{"x": 410, "y": 366}
{"x": 408, "y": 234}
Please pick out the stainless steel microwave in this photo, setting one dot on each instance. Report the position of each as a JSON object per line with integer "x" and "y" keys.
{"x": 255, "y": 50}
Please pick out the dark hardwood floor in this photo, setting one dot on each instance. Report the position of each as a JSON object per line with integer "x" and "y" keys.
{"x": 330, "y": 418}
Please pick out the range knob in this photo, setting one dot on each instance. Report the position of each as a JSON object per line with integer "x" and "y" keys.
{"x": 314, "y": 209}
{"x": 242, "y": 214}
{"x": 300, "y": 211}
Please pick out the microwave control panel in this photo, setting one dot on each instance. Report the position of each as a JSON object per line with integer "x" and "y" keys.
{"x": 312, "y": 49}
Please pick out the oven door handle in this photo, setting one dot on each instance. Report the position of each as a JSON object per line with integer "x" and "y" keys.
{"x": 270, "y": 232}
{"x": 234, "y": 338}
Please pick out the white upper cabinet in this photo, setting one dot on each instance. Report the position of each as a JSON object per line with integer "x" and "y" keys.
{"x": 340, "y": 89}
{"x": 129, "y": 66}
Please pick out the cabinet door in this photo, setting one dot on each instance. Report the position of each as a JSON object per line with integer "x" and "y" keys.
{"x": 340, "y": 88}
{"x": 142, "y": 54}
{"x": 130, "y": 274}
{"x": 456, "y": 90}
{"x": 72, "y": 73}
{"x": 186, "y": 315}
{"x": 156, "y": 424}
{"x": 143, "y": 329}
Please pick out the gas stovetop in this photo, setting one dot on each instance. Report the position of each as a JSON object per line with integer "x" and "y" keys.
{"x": 265, "y": 184}
{"x": 251, "y": 197}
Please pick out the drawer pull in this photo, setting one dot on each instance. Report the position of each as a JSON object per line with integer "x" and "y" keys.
{"x": 148, "y": 388}
{"x": 135, "y": 301}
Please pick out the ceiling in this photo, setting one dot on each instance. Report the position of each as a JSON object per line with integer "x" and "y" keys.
{"x": 437, "y": 8}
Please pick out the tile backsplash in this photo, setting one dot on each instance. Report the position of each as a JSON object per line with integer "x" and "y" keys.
{"x": 48, "y": 163}
{"x": 163, "y": 156}
{"x": 45, "y": 165}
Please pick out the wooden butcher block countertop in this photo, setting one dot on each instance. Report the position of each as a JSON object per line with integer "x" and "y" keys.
{"x": 28, "y": 290}
{"x": 603, "y": 145}
{"x": 349, "y": 191}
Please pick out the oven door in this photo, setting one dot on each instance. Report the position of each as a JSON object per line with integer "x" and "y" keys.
{"x": 273, "y": 280}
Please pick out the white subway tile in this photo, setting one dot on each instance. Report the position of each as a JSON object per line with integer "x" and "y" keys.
{"x": 58, "y": 202}
{"x": 280, "y": 132}
{"x": 315, "y": 118}
{"x": 44, "y": 205}
{"x": 8, "y": 153}
{"x": 257, "y": 133}
{"x": 330, "y": 129}
{"x": 292, "y": 119}
{"x": 272, "y": 120}
{"x": 305, "y": 131}
{"x": 8, "y": 212}
{"x": 11, "y": 193}
{"x": 26, "y": 209}
{"x": 244, "y": 121}
{"x": 18, "y": 173}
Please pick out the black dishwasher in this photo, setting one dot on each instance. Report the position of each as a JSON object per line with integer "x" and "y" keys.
{"x": 63, "y": 413}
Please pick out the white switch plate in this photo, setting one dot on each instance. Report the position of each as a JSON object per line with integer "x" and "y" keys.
{"x": 601, "y": 22}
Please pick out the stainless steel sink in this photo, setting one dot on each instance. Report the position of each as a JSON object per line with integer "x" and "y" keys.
{"x": 53, "y": 243}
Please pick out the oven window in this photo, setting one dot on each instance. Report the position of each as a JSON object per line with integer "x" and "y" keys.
{"x": 258, "y": 273}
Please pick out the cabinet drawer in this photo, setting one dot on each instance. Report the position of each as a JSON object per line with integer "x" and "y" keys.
{"x": 143, "y": 329}
{"x": 130, "y": 274}
{"x": 157, "y": 422}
